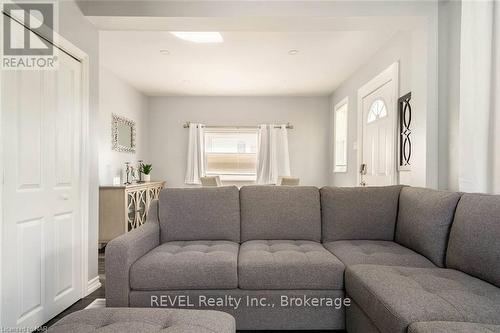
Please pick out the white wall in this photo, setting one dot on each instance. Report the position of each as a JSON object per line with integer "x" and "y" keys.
{"x": 74, "y": 27}
{"x": 410, "y": 49}
{"x": 308, "y": 141}
{"x": 118, "y": 97}
{"x": 449, "y": 93}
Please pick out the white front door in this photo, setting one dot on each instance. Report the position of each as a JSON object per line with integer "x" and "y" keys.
{"x": 378, "y": 129}
{"x": 42, "y": 225}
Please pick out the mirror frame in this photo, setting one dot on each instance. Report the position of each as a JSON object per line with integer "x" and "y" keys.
{"x": 114, "y": 134}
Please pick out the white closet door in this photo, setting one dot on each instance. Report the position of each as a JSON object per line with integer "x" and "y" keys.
{"x": 42, "y": 226}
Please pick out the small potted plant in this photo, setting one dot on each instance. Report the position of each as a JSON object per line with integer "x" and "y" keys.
{"x": 146, "y": 171}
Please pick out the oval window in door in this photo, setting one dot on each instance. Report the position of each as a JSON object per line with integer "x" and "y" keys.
{"x": 377, "y": 110}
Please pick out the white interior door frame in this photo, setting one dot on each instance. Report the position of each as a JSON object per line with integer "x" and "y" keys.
{"x": 81, "y": 56}
{"x": 1, "y": 195}
{"x": 65, "y": 46}
{"x": 391, "y": 73}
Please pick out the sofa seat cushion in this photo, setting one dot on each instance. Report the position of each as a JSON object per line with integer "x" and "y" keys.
{"x": 376, "y": 253}
{"x": 394, "y": 297}
{"x": 133, "y": 320}
{"x": 288, "y": 264}
{"x": 187, "y": 265}
{"x": 452, "y": 327}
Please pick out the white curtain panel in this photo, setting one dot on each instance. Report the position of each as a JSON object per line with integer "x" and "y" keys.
{"x": 196, "y": 154}
{"x": 479, "y": 120}
{"x": 273, "y": 159}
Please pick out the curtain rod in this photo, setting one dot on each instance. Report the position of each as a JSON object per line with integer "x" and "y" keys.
{"x": 186, "y": 125}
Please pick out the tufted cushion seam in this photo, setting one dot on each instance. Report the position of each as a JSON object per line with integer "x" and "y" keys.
{"x": 463, "y": 289}
{"x": 432, "y": 292}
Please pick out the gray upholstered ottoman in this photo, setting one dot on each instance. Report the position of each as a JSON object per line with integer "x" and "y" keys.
{"x": 452, "y": 327}
{"x": 141, "y": 320}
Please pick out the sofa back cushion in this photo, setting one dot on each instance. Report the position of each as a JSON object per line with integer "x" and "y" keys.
{"x": 280, "y": 212}
{"x": 359, "y": 212}
{"x": 424, "y": 221}
{"x": 474, "y": 245}
{"x": 200, "y": 214}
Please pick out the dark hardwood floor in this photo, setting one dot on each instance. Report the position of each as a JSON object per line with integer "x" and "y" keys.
{"x": 99, "y": 293}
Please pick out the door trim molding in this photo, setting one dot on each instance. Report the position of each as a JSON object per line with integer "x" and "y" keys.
{"x": 81, "y": 56}
{"x": 1, "y": 197}
{"x": 391, "y": 73}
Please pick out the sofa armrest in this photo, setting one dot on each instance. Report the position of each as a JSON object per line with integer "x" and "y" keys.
{"x": 123, "y": 251}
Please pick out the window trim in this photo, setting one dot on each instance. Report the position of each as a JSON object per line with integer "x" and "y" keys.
{"x": 337, "y": 107}
{"x": 238, "y": 177}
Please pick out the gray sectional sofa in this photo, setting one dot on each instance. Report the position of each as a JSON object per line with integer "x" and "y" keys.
{"x": 408, "y": 259}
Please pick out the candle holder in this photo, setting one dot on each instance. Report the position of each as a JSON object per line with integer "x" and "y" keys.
{"x": 128, "y": 170}
{"x": 140, "y": 164}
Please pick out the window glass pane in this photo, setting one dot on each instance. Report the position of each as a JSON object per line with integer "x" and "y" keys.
{"x": 377, "y": 110}
{"x": 231, "y": 152}
{"x": 340, "y": 145}
{"x": 227, "y": 142}
{"x": 371, "y": 116}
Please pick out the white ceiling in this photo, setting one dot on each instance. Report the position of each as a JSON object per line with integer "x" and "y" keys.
{"x": 245, "y": 64}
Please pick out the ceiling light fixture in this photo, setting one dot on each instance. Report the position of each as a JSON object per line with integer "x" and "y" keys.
{"x": 199, "y": 36}
{"x": 293, "y": 52}
{"x": 165, "y": 52}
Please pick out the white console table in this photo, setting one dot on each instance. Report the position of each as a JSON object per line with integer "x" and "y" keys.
{"x": 124, "y": 207}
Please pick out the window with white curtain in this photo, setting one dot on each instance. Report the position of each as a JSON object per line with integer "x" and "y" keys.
{"x": 340, "y": 136}
{"x": 231, "y": 153}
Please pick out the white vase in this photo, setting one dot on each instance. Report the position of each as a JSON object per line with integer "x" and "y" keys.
{"x": 146, "y": 178}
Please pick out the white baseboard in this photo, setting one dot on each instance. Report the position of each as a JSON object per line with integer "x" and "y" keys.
{"x": 98, "y": 303}
{"x": 93, "y": 285}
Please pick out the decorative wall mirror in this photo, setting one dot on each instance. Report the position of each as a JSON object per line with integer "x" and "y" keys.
{"x": 123, "y": 134}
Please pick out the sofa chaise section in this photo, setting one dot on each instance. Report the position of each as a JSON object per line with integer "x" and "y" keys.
{"x": 394, "y": 297}
{"x": 467, "y": 290}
